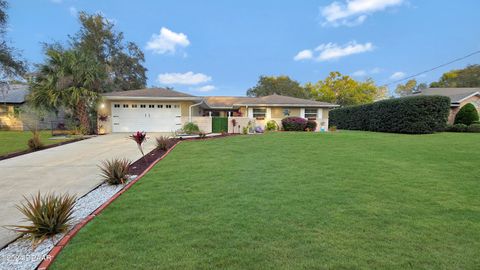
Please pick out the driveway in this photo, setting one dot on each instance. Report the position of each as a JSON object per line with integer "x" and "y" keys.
{"x": 69, "y": 168}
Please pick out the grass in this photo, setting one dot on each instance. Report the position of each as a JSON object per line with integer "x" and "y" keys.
{"x": 14, "y": 141}
{"x": 347, "y": 200}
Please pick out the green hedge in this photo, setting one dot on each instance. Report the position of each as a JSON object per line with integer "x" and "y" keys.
{"x": 412, "y": 115}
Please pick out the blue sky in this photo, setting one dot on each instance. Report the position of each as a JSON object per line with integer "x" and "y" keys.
{"x": 222, "y": 47}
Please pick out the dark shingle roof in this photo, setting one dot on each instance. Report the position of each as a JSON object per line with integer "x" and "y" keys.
{"x": 149, "y": 92}
{"x": 271, "y": 100}
{"x": 16, "y": 95}
{"x": 456, "y": 95}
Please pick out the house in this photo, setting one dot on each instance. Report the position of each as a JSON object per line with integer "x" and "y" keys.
{"x": 459, "y": 97}
{"x": 165, "y": 110}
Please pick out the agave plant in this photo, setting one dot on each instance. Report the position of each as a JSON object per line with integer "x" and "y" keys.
{"x": 115, "y": 171}
{"x": 140, "y": 137}
{"x": 49, "y": 215}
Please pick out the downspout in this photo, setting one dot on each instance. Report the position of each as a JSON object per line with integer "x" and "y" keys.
{"x": 190, "y": 110}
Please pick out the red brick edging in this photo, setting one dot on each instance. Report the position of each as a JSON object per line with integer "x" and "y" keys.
{"x": 48, "y": 260}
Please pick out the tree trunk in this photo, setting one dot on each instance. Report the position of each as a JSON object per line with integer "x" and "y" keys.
{"x": 82, "y": 116}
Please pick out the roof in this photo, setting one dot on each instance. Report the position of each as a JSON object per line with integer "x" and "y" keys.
{"x": 149, "y": 93}
{"x": 456, "y": 95}
{"x": 271, "y": 100}
{"x": 16, "y": 95}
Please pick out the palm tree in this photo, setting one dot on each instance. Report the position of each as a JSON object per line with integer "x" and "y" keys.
{"x": 69, "y": 79}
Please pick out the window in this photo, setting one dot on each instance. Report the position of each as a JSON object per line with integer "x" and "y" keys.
{"x": 151, "y": 106}
{"x": 116, "y": 105}
{"x": 168, "y": 106}
{"x": 142, "y": 106}
{"x": 311, "y": 113}
{"x": 286, "y": 112}
{"x": 259, "y": 113}
{"x": 125, "y": 105}
{"x": 159, "y": 106}
{"x": 134, "y": 105}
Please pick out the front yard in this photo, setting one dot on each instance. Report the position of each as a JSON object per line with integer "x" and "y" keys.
{"x": 346, "y": 200}
{"x": 14, "y": 141}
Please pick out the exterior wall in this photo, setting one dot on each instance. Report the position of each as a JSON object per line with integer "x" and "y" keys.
{"x": 105, "y": 109}
{"x": 10, "y": 121}
{"x": 475, "y": 100}
{"x": 241, "y": 122}
{"x": 204, "y": 123}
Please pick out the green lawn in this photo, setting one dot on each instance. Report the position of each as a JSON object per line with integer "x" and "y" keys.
{"x": 347, "y": 200}
{"x": 14, "y": 141}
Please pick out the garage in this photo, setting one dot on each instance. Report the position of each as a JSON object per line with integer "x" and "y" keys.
{"x": 149, "y": 117}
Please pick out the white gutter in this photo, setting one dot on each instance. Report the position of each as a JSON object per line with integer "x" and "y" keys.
{"x": 190, "y": 110}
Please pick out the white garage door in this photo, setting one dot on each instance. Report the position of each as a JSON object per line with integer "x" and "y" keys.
{"x": 150, "y": 117}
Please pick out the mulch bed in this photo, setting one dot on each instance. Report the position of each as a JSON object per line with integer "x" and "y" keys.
{"x": 19, "y": 153}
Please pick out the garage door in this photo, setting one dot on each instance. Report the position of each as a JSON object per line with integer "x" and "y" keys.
{"x": 150, "y": 117}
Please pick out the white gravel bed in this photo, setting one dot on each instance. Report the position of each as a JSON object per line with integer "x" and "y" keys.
{"x": 19, "y": 254}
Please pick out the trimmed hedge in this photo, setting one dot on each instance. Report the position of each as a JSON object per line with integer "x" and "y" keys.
{"x": 293, "y": 123}
{"x": 411, "y": 115}
{"x": 467, "y": 115}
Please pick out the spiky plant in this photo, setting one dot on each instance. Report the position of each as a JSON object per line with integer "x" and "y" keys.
{"x": 48, "y": 215}
{"x": 140, "y": 137}
{"x": 115, "y": 171}
{"x": 163, "y": 143}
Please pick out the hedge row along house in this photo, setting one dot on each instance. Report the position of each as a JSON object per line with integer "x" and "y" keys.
{"x": 165, "y": 110}
{"x": 459, "y": 97}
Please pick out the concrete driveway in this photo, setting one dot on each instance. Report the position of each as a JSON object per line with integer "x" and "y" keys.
{"x": 69, "y": 168}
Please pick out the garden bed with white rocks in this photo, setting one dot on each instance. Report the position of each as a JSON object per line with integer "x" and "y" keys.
{"x": 20, "y": 255}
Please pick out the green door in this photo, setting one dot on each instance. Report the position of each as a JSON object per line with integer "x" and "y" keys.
{"x": 219, "y": 124}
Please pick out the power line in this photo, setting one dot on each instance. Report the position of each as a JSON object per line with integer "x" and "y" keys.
{"x": 434, "y": 68}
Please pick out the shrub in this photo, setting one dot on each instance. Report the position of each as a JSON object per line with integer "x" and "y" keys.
{"x": 271, "y": 126}
{"x": 332, "y": 128}
{"x": 190, "y": 128}
{"x": 311, "y": 125}
{"x": 115, "y": 171}
{"x": 163, "y": 143}
{"x": 259, "y": 129}
{"x": 457, "y": 128}
{"x": 413, "y": 115}
{"x": 35, "y": 143}
{"x": 467, "y": 115}
{"x": 293, "y": 123}
{"x": 474, "y": 128}
{"x": 49, "y": 214}
{"x": 245, "y": 130}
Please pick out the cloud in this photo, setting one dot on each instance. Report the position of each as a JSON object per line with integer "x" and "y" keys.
{"x": 206, "y": 88}
{"x": 332, "y": 51}
{"x": 73, "y": 11}
{"x": 188, "y": 78}
{"x": 303, "y": 55}
{"x": 167, "y": 41}
{"x": 365, "y": 73}
{"x": 353, "y": 12}
{"x": 398, "y": 75}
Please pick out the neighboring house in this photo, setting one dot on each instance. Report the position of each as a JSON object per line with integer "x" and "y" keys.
{"x": 459, "y": 97}
{"x": 163, "y": 110}
{"x": 11, "y": 106}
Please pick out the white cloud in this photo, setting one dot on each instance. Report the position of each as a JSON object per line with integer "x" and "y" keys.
{"x": 206, "y": 88}
{"x": 353, "y": 12}
{"x": 188, "y": 78}
{"x": 365, "y": 73}
{"x": 303, "y": 55}
{"x": 73, "y": 11}
{"x": 167, "y": 41}
{"x": 398, "y": 75}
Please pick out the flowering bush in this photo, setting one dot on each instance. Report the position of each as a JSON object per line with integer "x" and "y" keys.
{"x": 294, "y": 123}
{"x": 258, "y": 129}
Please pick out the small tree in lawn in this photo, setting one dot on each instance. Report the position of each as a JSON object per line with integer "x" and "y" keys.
{"x": 140, "y": 137}
{"x": 467, "y": 115}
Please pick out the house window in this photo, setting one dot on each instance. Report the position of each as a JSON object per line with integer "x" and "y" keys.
{"x": 143, "y": 106}
{"x": 311, "y": 113}
{"x": 286, "y": 112}
{"x": 159, "y": 106}
{"x": 125, "y": 105}
{"x": 168, "y": 106}
{"x": 134, "y": 105}
{"x": 116, "y": 105}
{"x": 259, "y": 113}
{"x": 151, "y": 106}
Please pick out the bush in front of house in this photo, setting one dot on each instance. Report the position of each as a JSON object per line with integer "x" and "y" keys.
{"x": 294, "y": 123}
{"x": 311, "y": 125}
{"x": 467, "y": 115}
{"x": 474, "y": 128}
{"x": 271, "y": 126}
{"x": 163, "y": 143}
{"x": 191, "y": 128}
{"x": 115, "y": 171}
{"x": 457, "y": 128}
{"x": 411, "y": 115}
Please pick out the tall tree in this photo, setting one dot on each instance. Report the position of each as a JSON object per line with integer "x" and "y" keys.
{"x": 11, "y": 65}
{"x": 70, "y": 79}
{"x": 410, "y": 87}
{"x": 467, "y": 77}
{"x": 343, "y": 90}
{"x": 281, "y": 85}
{"x": 122, "y": 61}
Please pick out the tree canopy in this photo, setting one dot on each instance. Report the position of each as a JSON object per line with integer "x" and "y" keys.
{"x": 466, "y": 77}
{"x": 281, "y": 85}
{"x": 11, "y": 65}
{"x": 410, "y": 87}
